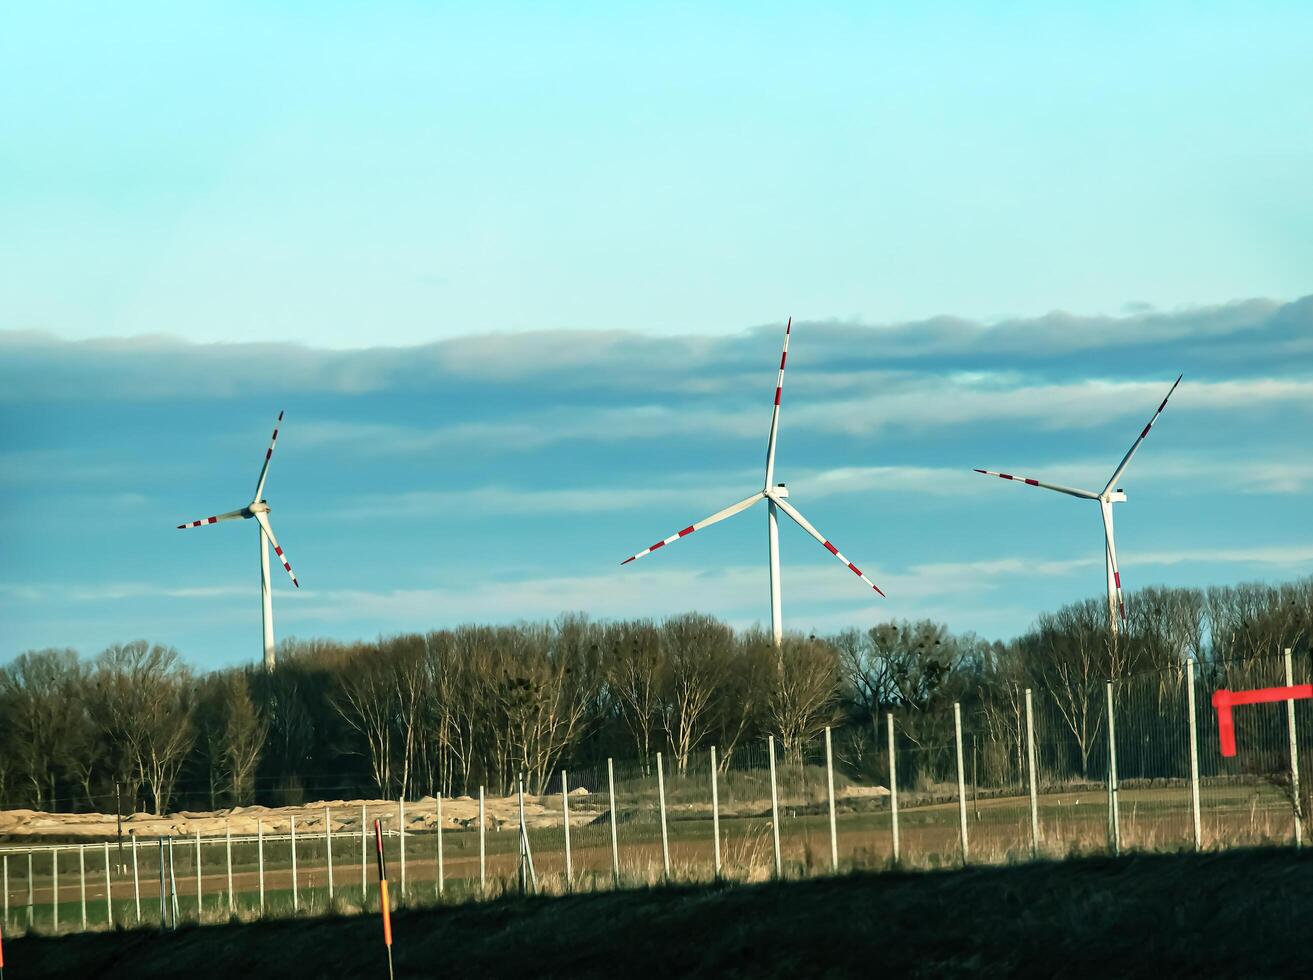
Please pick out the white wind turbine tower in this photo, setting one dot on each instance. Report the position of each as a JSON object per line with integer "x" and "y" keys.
{"x": 1111, "y": 494}
{"x": 775, "y": 495}
{"x": 259, "y": 509}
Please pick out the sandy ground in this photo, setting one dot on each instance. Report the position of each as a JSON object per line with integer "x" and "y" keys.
{"x": 457, "y": 813}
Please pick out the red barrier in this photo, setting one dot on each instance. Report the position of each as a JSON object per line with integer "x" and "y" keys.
{"x": 1224, "y": 701}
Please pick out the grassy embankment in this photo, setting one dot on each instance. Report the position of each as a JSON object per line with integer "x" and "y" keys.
{"x": 1240, "y": 913}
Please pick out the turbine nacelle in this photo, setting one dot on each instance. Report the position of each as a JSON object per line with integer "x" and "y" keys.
{"x": 257, "y": 507}
{"x": 778, "y": 492}
{"x": 1115, "y": 496}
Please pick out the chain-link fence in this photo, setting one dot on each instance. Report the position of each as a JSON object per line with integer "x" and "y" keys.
{"x": 1084, "y": 766}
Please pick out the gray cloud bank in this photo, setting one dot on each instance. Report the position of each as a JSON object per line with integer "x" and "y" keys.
{"x": 1246, "y": 339}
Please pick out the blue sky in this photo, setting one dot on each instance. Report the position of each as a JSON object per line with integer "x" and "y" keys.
{"x": 519, "y": 278}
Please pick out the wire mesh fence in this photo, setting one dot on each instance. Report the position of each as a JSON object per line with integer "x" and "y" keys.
{"x": 1085, "y": 766}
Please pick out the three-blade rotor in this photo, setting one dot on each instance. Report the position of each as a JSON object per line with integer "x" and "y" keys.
{"x": 769, "y": 492}
{"x": 257, "y": 508}
{"x": 1106, "y": 498}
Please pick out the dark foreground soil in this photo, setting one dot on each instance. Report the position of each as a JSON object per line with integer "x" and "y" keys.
{"x": 1236, "y": 914}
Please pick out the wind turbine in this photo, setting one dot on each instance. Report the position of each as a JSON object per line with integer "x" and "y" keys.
{"x": 1106, "y": 498}
{"x": 259, "y": 509}
{"x": 775, "y": 495}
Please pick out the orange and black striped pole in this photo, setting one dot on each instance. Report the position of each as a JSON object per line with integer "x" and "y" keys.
{"x": 383, "y": 894}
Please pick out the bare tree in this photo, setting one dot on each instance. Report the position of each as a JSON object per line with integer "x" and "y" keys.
{"x": 146, "y": 695}
{"x": 698, "y": 653}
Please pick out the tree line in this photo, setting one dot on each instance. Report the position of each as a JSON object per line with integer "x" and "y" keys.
{"x": 450, "y": 710}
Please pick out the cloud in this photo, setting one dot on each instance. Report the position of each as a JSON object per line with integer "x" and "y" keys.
{"x": 1235, "y": 338}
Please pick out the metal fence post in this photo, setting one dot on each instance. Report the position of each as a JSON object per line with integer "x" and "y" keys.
{"x": 296, "y": 898}
{"x": 31, "y": 904}
{"x": 441, "y": 875}
{"x": 715, "y": 808}
{"x": 483, "y": 853}
{"x": 401, "y": 837}
{"x": 259, "y": 852}
{"x": 173, "y": 888}
{"x": 364, "y": 856}
{"x": 109, "y": 890}
{"x": 1194, "y": 755}
{"x": 661, "y": 797}
{"x": 54, "y": 891}
{"x": 82, "y": 881}
{"x": 829, "y": 781}
{"x": 1294, "y": 757}
{"x": 164, "y": 919}
{"x": 615, "y": 840}
{"x": 893, "y": 788}
{"x": 328, "y": 850}
{"x": 200, "y": 904}
{"x": 6, "y": 887}
{"x": 136, "y": 879}
{"x": 1114, "y": 810}
{"x": 961, "y": 779}
{"x": 228, "y": 850}
{"x": 565, "y": 823}
{"x": 774, "y": 806}
{"x": 1030, "y": 775}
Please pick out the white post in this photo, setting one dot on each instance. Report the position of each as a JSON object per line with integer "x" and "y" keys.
{"x": 266, "y": 603}
{"x": 54, "y": 891}
{"x": 565, "y": 822}
{"x": 401, "y": 836}
{"x": 296, "y": 898}
{"x": 200, "y": 905}
{"x": 328, "y": 848}
{"x": 173, "y": 886}
{"x": 661, "y": 798}
{"x": 441, "y": 875}
{"x": 615, "y": 840}
{"x": 364, "y": 856}
{"x": 483, "y": 853}
{"x": 228, "y": 850}
{"x": 774, "y": 806}
{"x": 715, "y": 809}
{"x": 893, "y": 787}
{"x": 5, "y": 862}
{"x": 259, "y": 853}
{"x": 31, "y": 905}
{"x": 773, "y": 538}
{"x": 1294, "y": 757}
{"x": 961, "y": 780}
{"x": 164, "y": 920}
{"x": 1194, "y": 755}
{"x": 1030, "y": 775}
{"x": 1114, "y": 809}
{"x": 82, "y": 881}
{"x": 136, "y": 880}
{"x": 829, "y": 780}
{"x": 109, "y": 891}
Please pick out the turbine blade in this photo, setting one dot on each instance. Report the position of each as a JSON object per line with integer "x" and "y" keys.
{"x": 1112, "y": 561}
{"x": 1040, "y": 483}
{"x": 775, "y": 413}
{"x": 803, "y": 523}
{"x": 269, "y": 533}
{"x": 232, "y": 515}
{"x": 268, "y": 455}
{"x": 1126, "y": 460}
{"x": 720, "y": 515}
